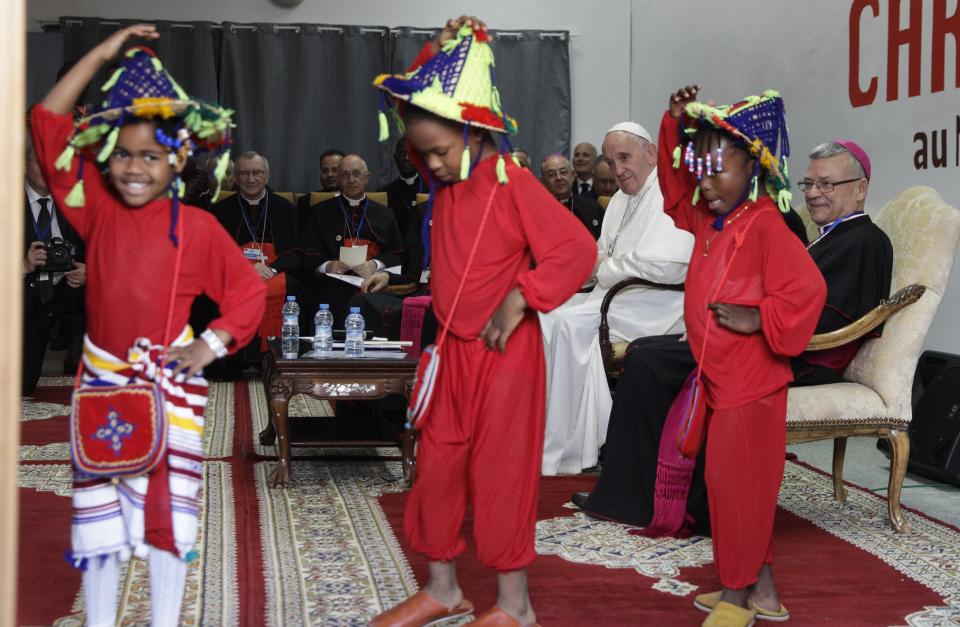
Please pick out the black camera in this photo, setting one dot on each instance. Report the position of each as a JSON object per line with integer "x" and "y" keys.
{"x": 59, "y": 256}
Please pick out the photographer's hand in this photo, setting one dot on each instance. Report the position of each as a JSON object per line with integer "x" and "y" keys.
{"x": 36, "y": 257}
{"x": 78, "y": 276}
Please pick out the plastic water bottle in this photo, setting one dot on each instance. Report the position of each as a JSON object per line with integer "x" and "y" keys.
{"x": 353, "y": 345}
{"x": 323, "y": 329}
{"x": 290, "y": 344}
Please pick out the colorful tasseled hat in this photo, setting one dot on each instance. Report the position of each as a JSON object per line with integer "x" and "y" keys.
{"x": 457, "y": 84}
{"x": 758, "y": 124}
{"x": 142, "y": 88}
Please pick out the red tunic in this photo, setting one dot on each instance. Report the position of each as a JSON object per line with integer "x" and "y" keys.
{"x": 772, "y": 271}
{"x": 130, "y": 256}
{"x": 525, "y": 223}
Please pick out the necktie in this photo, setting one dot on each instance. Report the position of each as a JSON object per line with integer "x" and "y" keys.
{"x": 43, "y": 220}
{"x": 584, "y": 188}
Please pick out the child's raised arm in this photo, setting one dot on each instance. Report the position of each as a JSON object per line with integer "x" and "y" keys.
{"x": 64, "y": 94}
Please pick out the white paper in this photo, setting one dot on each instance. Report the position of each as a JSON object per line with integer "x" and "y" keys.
{"x": 393, "y": 269}
{"x": 353, "y": 256}
{"x": 347, "y": 278}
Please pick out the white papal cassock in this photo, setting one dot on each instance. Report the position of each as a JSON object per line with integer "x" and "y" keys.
{"x": 637, "y": 240}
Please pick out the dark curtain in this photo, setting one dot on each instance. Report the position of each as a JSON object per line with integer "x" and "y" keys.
{"x": 189, "y": 50}
{"x": 299, "y": 89}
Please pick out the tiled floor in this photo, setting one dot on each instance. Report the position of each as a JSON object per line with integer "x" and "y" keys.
{"x": 868, "y": 467}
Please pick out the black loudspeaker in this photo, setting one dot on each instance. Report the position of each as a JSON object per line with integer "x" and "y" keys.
{"x": 935, "y": 429}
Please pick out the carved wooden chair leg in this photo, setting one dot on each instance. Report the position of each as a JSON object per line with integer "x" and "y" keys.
{"x": 839, "y": 452}
{"x": 900, "y": 449}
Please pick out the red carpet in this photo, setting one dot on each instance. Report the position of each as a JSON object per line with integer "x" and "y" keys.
{"x": 322, "y": 551}
{"x": 822, "y": 579}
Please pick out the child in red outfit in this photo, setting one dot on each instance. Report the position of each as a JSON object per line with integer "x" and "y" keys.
{"x": 134, "y": 229}
{"x": 483, "y": 438}
{"x": 763, "y": 312}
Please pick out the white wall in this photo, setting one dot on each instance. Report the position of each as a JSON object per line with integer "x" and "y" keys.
{"x": 599, "y": 43}
{"x": 802, "y": 50}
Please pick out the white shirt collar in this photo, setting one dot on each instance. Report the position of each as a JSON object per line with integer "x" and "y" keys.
{"x": 255, "y": 201}
{"x": 33, "y": 196}
{"x": 826, "y": 228}
{"x": 409, "y": 181}
{"x": 580, "y": 182}
{"x": 355, "y": 203}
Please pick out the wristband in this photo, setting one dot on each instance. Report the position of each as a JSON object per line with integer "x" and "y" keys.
{"x": 214, "y": 342}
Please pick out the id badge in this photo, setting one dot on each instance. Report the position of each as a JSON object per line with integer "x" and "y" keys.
{"x": 353, "y": 256}
{"x": 425, "y": 276}
{"x": 253, "y": 254}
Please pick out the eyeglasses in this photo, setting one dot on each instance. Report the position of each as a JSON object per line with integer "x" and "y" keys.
{"x": 352, "y": 174}
{"x": 825, "y": 187}
{"x": 254, "y": 174}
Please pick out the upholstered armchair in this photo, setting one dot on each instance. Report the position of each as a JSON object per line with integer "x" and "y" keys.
{"x": 875, "y": 399}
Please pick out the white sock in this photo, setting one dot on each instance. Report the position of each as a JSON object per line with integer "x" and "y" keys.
{"x": 168, "y": 574}
{"x": 100, "y": 582}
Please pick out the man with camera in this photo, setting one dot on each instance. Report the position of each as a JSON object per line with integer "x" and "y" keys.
{"x": 51, "y": 270}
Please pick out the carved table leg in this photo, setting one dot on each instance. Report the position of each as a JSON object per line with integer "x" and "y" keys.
{"x": 408, "y": 443}
{"x": 280, "y": 392}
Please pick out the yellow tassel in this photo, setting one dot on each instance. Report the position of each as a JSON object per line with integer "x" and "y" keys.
{"x": 516, "y": 161}
{"x": 755, "y": 190}
{"x": 65, "y": 160}
{"x": 156, "y": 64}
{"x": 465, "y": 164}
{"x": 502, "y": 170}
{"x": 696, "y": 195}
{"x": 676, "y": 157}
{"x": 76, "y": 197}
{"x": 783, "y": 200}
{"x": 181, "y": 188}
{"x": 108, "y": 145}
{"x": 220, "y": 171}
{"x": 384, "y": 126}
{"x": 112, "y": 80}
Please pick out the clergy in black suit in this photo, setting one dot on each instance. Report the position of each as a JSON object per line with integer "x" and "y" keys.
{"x": 402, "y": 191}
{"x": 343, "y": 222}
{"x": 264, "y": 226}
{"x": 47, "y": 296}
{"x": 584, "y": 158}
{"x": 382, "y": 311}
{"x": 558, "y": 177}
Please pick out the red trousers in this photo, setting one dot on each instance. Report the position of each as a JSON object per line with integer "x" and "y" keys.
{"x": 483, "y": 440}
{"x": 745, "y": 456}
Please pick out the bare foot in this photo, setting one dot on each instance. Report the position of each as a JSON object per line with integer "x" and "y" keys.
{"x": 450, "y": 597}
{"x": 763, "y": 594}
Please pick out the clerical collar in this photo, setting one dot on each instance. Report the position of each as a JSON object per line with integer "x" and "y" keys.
{"x": 357, "y": 202}
{"x": 580, "y": 182}
{"x": 409, "y": 181}
{"x": 255, "y": 201}
{"x": 829, "y": 227}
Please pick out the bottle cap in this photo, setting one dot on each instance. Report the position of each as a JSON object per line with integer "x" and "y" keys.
{"x": 289, "y": 298}
{"x": 324, "y": 306}
{"x": 354, "y": 310}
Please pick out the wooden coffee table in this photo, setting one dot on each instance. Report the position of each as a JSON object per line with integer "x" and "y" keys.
{"x": 366, "y": 378}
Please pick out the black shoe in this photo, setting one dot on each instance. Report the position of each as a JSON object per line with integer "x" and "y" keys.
{"x": 580, "y": 499}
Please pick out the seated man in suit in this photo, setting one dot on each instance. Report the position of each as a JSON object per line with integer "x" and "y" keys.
{"x": 584, "y": 157}
{"x": 557, "y": 176}
{"x": 46, "y": 295}
{"x": 329, "y": 160}
{"x": 264, "y": 226}
{"x": 348, "y": 235}
{"x": 604, "y": 180}
{"x": 402, "y": 191}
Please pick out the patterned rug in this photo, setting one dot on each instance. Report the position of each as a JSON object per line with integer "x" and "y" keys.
{"x": 327, "y": 549}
